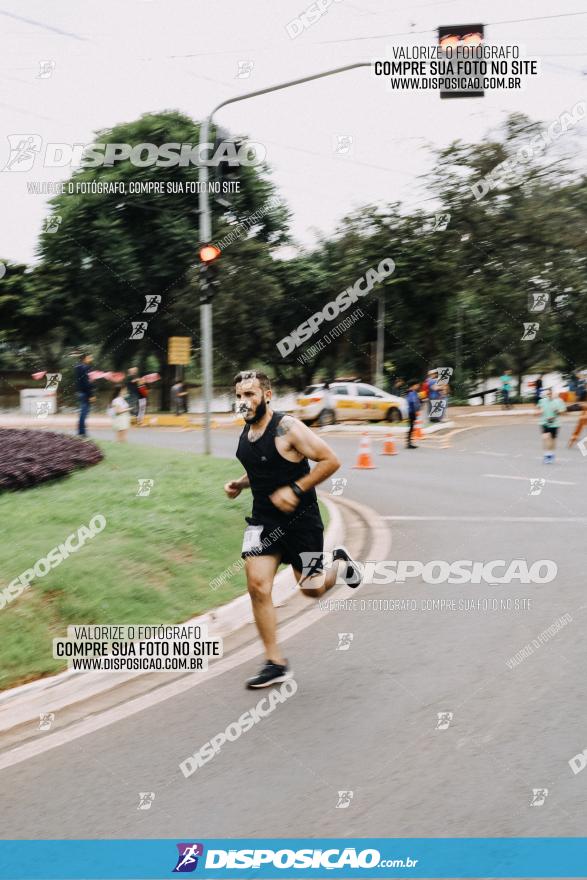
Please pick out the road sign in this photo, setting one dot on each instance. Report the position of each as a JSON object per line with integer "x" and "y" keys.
{"x": 178, "y": 349}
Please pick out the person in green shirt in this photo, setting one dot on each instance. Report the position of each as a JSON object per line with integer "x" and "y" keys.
{"x": 550, "y": 408}
{"x": 506, "y": 389}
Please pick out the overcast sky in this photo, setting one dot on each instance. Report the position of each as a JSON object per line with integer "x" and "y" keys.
{"x": 117, "y": 59}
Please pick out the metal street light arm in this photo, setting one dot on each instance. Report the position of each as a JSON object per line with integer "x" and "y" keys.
{"x": 206, "y": 227}
{"x": 287, "y": 85}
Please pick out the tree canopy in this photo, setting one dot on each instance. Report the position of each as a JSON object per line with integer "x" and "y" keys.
{"x": 460, "y": 294}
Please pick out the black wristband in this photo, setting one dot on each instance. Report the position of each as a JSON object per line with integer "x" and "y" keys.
{"x": 297, "y": 489}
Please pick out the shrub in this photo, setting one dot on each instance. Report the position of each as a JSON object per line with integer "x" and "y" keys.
{"x": 31, "y": 457}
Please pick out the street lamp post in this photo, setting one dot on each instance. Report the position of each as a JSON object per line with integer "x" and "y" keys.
{"x": 206, "y": 230}
{"x": 380, "y": 339}
{"x": 458, "y": 345}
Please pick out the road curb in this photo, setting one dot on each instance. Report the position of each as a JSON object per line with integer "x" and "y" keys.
{"x": 92, "y": 721}
{"x": 24, "y": 704}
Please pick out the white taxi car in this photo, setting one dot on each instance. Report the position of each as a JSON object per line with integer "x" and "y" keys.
{"x": 349, "y": 401}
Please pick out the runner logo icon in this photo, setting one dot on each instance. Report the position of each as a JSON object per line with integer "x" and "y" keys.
{"x": 187, "y": 860}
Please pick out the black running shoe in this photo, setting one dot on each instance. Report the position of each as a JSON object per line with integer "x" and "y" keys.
{"x": 352, "y": 575}
{"x": 271, "y": 673}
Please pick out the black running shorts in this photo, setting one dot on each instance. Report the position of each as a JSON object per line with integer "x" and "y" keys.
{"x": 299, "y": 543}
{"x": 546, "y": 429}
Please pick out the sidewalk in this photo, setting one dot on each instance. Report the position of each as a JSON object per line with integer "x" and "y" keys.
{"x": 196, "y": 422}
{"x": 69, "y": 421}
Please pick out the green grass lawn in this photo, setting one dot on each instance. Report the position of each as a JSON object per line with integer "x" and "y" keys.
{"x": 152, "y": 563}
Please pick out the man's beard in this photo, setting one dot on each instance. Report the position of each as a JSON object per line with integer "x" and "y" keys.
{"x": 259, "y": 413}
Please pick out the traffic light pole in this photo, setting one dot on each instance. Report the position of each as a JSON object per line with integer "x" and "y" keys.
{"x": 206, "y": 231}
{"x": 206, "y": 308}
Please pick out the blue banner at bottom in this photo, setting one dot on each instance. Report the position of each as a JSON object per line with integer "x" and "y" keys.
{"x": 376, "y": 857}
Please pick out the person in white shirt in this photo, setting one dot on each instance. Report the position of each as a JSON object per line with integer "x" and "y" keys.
{"x": 120, "y": 413}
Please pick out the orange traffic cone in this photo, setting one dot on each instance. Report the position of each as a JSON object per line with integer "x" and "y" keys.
{"x": 389, "y": 446}
{"x": 364, "y": 458}
{"x": 418, "y": 433}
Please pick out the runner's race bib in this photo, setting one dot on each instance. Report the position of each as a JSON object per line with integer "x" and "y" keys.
{"x": 252, "y": 539}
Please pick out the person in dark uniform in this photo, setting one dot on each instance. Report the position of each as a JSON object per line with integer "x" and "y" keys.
{"x": 85, "y": 390}
{"x": 414, "y": 406}
{"x": 285, "y": 525}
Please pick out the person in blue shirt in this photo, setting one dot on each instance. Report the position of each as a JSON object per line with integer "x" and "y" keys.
{"x": 85, "y": 390}
{"x": 414, "y": 406}
{"x": 433, "y": 389}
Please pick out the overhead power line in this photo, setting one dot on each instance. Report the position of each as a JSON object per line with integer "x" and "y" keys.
{"x": 433, "y": 30}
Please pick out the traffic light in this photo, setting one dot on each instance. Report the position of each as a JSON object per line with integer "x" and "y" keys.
{"x": 208, "y": 255}
{"x": 454, "y": 40}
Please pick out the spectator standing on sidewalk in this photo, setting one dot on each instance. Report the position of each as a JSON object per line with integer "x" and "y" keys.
{"x": 179, "y": 398}
{"x": 506, "y": 389}
{"x": 433, "y": 389}
{"x": 423, "y": 388}
{"x": 120, "y": 412}
{"x": 397, "y": 387}
{"x": 85, "y": 390}
{"x": 132, "y": 390}
{"x": 328, "y": 413}
{"x": 143, "y": 399}
{"x": 414, "y": 405}
{"x": 573, "y": 384}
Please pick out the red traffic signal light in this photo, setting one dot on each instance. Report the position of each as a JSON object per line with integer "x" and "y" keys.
{"x": 448, "y": 38}
{"x": 208, "y": 253}
{"x": 458, "y": 42}
{"x": 475, "y": 38}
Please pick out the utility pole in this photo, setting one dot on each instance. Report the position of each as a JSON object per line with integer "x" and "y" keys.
{"x": 458, "y": 344}
{"x": 206, "y": 230}
{"x": 380, "y": 340}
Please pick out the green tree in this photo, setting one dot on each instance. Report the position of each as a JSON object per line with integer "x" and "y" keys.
{"x": 114, "y": 250}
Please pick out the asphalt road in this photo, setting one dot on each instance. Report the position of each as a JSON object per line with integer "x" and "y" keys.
{"x": 365, "y": 720}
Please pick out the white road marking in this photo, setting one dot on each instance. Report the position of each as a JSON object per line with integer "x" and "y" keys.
{"x": 507, "y": 519}
{"x": 527, "y": 479}
{"x": 496, "y": 454}
{"x": 491, "y": 413}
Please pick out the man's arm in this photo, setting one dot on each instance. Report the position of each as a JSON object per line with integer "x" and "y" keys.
{"x": 300, "y": 438}
{"x": 234, "y": 487}
{"x": 312, "y": 447}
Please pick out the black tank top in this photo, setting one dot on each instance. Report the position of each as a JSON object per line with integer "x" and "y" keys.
{"x": 267, "y": 471}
